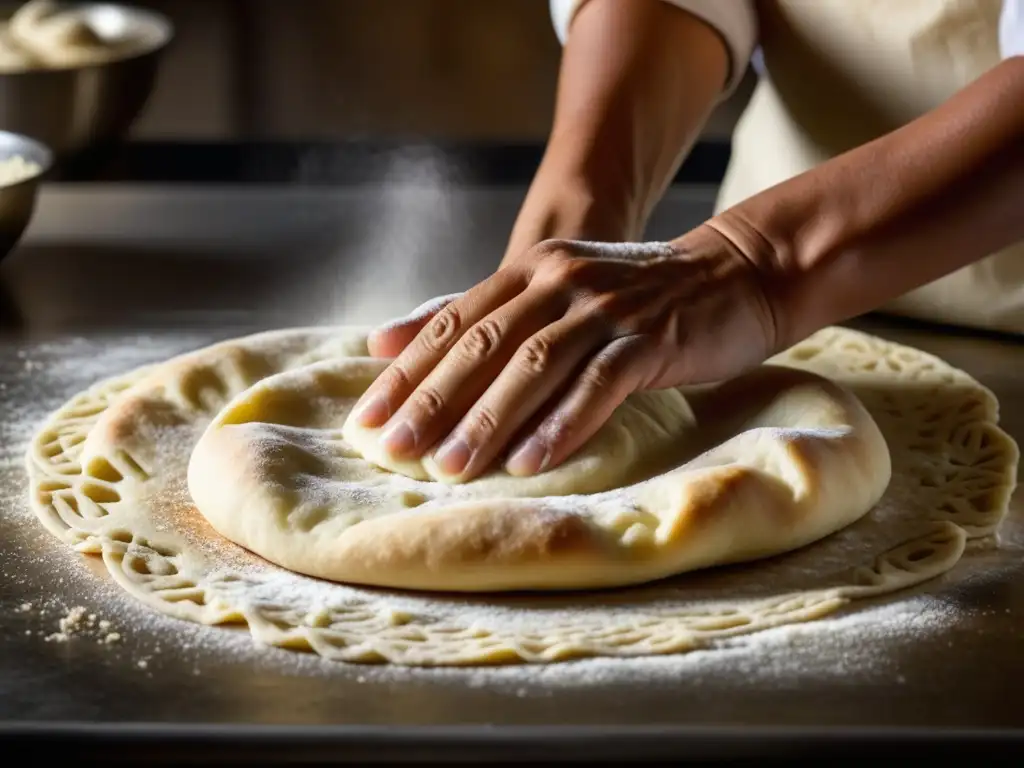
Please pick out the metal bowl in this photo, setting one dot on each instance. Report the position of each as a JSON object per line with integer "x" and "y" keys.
{"x": 18, "y": 200}
{"x": 74, "y": 108}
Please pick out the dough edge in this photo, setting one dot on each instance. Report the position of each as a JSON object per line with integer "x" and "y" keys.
{"x": 54, "y": 461}
{"x": 819, "y": 482}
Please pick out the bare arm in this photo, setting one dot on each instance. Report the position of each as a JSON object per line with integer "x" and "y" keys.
{"x": 536, "y": 357}
{"x": 638, "y": 80}
{"x": 863, "y": 228}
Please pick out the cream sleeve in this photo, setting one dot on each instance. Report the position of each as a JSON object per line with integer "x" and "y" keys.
{"x": 1011, "y": 29}
{"x": 734, "y": 20}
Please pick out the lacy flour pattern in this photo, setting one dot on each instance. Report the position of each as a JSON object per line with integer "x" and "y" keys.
{"x": 953, "y": 472}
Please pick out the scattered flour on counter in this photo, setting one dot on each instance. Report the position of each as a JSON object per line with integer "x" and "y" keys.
{"x": 77, "y": 622}
{"x": 71, "y": 623}
{"x": 869, "y": 641}
{"x": 38, "y": 377}
{"x": 865, "y": 645}
{"x": 41, "y": 376}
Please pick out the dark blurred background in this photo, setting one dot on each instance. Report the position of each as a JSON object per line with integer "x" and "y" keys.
{"x": 446, "y": 70}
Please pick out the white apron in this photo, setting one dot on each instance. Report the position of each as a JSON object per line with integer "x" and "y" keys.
{"x": 843, "y": 72}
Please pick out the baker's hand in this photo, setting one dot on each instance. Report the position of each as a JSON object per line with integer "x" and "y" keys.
{"x": 539, "y": 354}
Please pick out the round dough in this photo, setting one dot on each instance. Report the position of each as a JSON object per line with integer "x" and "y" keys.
{"x": 108, "y": 478}
{"x": 762, "y": 465}
{"x": 646, "y": 432}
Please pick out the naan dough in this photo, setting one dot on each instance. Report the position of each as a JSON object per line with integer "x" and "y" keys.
{"x": 645, "y": 432}
{"x": 799, "y": 459}
{"x": 108, "y": 476}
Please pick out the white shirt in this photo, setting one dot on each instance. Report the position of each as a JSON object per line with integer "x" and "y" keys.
{"x": 736, "y": 22}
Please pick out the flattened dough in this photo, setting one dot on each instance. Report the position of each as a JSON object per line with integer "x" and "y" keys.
{"x": 646, "y": 432}
{"x": 108, "y": 478}
{"x": 763, "y": 465}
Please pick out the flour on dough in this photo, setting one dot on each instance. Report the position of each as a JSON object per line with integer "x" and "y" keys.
{"x": 108, "y": 477}
{"x": 803, "y": 458}
{"x": 642, "y": 434}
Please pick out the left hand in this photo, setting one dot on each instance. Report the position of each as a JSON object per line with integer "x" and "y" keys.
{"x": 544, "y": 350}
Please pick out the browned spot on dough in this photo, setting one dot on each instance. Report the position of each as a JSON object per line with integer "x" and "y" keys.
{"x": 703, "y": 499}
{"x": 494, "y": 534}
{"x": 532, "y": 534}
{"x": 726, "y": 492}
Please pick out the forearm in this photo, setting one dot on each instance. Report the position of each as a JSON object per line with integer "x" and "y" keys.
{"x": 938, "y": 194}
{"x": 638, "y": 80}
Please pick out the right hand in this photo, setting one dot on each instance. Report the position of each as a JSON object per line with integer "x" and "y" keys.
{"x": 541, "y": 353}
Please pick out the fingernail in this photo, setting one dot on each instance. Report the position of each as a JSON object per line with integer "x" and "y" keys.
{"x": 373, "y": 412}
{"x": 529, "y": 459}
{"x": 453, "y": 456}
{"x": 398, "y": 439}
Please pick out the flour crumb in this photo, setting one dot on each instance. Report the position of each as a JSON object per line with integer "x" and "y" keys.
{"x": 77, "y": 622}
{"x": 142, "y": 663}
{"x": 72, "y": 621}
{"x": 24, "y": 607}
{"x": 70, "y": 624}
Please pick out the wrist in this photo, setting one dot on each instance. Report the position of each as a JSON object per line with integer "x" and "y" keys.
{"x": 789, "y": 240}
{"x": 566, "y": 201}
{"x": 888, "y": 216}
{"x": 727, "y": 245}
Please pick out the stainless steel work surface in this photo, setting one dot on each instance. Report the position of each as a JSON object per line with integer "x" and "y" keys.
{"x": 111, "y": 277}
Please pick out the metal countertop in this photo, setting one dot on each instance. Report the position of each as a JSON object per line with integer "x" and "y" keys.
{"x": 111, "y": 276}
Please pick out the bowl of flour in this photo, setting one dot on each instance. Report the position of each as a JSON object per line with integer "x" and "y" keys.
{"x": 23, "y": 163}
{"x": 77, "y": 75}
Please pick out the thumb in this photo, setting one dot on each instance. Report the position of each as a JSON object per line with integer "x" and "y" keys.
{"x": 389, "y": 339}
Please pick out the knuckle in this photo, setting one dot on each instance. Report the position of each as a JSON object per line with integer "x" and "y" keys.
{"x": 535, "y": 355}
{"x": 483, "y": 422}
{"x": 617, "y": 367}
{"x": 550, "y": 247}
{"x": 443, "y": 329}
{"x": 482, "y": 339}
{"x": 428, "y": 402}
{"x": 601, "y": 374}
{"x": 606, "y": 305}
{"x": 395, "y": 380}
{"x": 571, "y": 275}
{"x": 555, "y": 270}
{"x": 556, "y": 430}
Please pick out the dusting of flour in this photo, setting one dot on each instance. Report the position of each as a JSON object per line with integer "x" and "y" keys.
{"x": 36, "y": 378}
{"x": 860, "y": 647}
{"x": 69, "y": 600}
{"x": 51, "y": 597}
